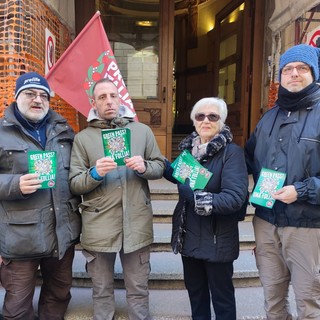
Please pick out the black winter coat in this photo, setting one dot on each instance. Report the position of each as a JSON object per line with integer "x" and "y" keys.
{"x": 214, "y": 238}
{"x": 290, "y": 143}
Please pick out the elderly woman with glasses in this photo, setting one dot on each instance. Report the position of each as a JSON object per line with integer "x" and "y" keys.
{"x": 205, "y": 222}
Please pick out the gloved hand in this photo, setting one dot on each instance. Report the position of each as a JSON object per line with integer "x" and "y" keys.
{"x": 203, "y": 202}
{"x": 168, "y": 172}
{"x": 185, "y": 191}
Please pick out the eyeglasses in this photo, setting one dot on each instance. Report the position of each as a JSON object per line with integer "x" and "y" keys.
{"x": 32, "y": 95}
{"x": 301, "y": 68}
{"x": 212, "y": 117}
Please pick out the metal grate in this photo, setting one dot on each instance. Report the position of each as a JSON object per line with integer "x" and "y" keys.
{"x": 22, "y": 48}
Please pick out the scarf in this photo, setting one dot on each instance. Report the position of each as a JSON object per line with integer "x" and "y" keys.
{"x": 203, "y": 151}
{"x": 292, "y": 101}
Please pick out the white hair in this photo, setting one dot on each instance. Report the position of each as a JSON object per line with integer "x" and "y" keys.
{"x": 211, "y": 101}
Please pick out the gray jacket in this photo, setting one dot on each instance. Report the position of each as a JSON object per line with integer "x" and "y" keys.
{"x": 45, "y": 223}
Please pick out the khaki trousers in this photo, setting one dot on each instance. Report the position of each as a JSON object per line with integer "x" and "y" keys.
{"x": 284, "y": 255}
{"x": 136, "y": 270}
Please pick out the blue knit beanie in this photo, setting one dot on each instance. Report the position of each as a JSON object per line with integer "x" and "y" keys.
{"x": 302, "y": 53}
{"x": 31, "y": 80}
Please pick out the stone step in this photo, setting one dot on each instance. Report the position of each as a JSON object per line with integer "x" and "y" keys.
{"x": 167, "y": 273}
{"x": 164, "y": 304}
{"x": 163, "y": 209}
{"x": 162, "y": 189}
{"x": 162, "y": 236}
{"x": 164, "y": 197}
{"x": 163, "y": 186}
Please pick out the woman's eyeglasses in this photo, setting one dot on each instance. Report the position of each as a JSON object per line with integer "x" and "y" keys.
{"x": 212, "y": 117}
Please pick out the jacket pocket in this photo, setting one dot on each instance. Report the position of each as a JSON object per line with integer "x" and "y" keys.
{"x": 16, "y": 159}
{"x": 101, "y": 223}
{"x": 24, "y": 234}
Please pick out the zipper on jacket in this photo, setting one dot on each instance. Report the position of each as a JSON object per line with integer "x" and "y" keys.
{"x": 214, "y": 225}
{"x": 312, "y": 140}
{"x": 38, "y": 134}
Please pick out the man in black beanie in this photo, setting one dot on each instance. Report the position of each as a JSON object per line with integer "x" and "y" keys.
{"x": 287, "y": 140}
{"x": 39, "y": 225}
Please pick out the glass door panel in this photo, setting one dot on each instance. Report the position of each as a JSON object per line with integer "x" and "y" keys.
{"x": 230, "y": 64}
{"x": 134, "y": 38}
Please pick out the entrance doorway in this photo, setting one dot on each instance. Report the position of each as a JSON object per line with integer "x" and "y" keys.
{"x": 173, "y": 53}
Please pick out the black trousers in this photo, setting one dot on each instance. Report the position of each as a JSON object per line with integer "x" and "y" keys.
{"x": 208, "y": 281}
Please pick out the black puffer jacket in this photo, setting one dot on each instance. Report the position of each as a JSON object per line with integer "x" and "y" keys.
{"x": 214, "y": 238}
{"x": 290, "y": 143}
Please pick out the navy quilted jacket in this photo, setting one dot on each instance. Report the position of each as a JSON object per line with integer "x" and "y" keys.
{"x": 290, "y": 143}
{"x": 214, "y": 238}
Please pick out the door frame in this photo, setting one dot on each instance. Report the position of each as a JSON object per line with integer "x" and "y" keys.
{"x": 239, "y": 130}
{"x": 251, "y": 63}
{"x": 159, "y": 111}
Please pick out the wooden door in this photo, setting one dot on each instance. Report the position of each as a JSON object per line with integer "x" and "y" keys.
{"x": 141, "y": 35}
{"x": 232, "y": 64}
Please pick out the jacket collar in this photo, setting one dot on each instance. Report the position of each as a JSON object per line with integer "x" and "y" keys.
{"x": 124, "y": 112}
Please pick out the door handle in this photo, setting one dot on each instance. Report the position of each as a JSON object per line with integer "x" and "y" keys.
{"x": 164, "y": 92}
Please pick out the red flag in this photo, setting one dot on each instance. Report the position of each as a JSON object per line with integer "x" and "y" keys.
{"x": 88, "y": 59}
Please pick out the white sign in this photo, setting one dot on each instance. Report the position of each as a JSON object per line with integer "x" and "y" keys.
{"x": 50, "y": 51}
{"x": 313, "y": 36}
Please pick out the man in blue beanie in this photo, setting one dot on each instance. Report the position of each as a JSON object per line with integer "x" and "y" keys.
{"x": 287, "y": 140}
{"x": 39, "y": 226}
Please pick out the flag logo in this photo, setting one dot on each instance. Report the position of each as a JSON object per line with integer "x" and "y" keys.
{"x": 88, "y": 59}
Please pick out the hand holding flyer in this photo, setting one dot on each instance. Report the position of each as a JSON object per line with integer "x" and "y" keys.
{"x": 269, "y": 181}
{"x": 186, "y": 166}
{"x": 45, "y": 164}
{"x": 116, "y": 144}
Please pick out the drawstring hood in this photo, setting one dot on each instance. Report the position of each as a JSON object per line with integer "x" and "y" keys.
{"x": 124, "y": 117}
{"x": 304, "y": 125}
{"x": 273, "y": 122}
